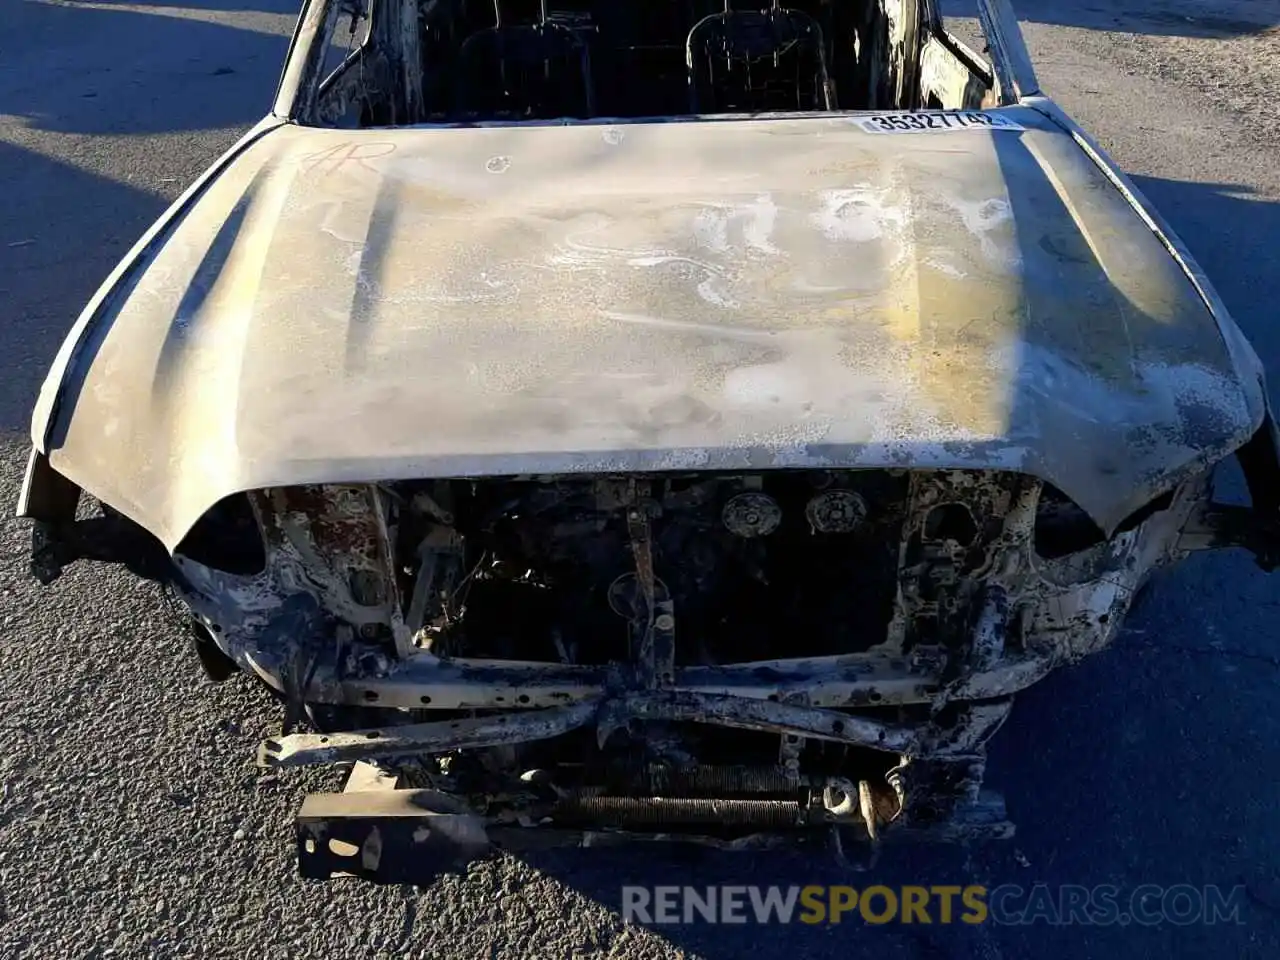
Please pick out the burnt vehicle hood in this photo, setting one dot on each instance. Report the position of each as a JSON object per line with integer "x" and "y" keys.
{"x": 739, "y": 294}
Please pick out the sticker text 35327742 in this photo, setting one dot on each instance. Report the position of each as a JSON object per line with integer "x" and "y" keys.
{"x": 936, "y": 121}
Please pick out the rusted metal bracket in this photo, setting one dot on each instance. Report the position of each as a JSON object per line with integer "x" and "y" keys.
{"x": 458, "y": 683}
{"x": 654, "y": 621}
{"x": 740, "y": 713}
{"x": 441, "y": 552}
{"x": 387, "y": 836}
{"x": 790, "y": 746}
{"x": 438, "y": 737}
{"x": 368, "y": 776}
{"x": 765, "y": 716}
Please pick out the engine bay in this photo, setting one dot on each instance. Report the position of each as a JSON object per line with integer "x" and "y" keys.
{"x": 548, "y": 570}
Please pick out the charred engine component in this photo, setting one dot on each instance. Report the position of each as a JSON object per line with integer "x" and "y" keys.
{"x": 530, "y": 67}
{"x": 544, "y": 570}
{"x": 626, "y": 597}
{"x": 836, "y": 511}
{"x": 651, "y": 812}
{"x": 750, "y": 515}
{"x": 774, "y": 59}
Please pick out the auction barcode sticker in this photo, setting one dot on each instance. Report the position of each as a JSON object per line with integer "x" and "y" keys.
{"x": 936, "y": 120}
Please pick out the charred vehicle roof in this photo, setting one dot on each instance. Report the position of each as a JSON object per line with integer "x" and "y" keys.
{"x": 589, "y": 412}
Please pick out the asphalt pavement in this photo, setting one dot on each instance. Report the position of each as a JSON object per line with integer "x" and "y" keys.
{"x": 132, "y": 820}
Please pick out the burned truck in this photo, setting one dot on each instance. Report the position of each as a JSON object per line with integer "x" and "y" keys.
{"x": 598, "y": 420}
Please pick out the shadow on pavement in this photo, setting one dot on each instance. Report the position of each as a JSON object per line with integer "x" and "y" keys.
{"x": 290, "y": 7}
{"x": 1233, "y": 236}
{"x": 103, "y": 69}
{"x": 1173, "y": 18}
{"x": 62, "y": 229}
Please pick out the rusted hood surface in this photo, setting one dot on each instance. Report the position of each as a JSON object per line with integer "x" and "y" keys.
{"x": 357, "y": 306}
